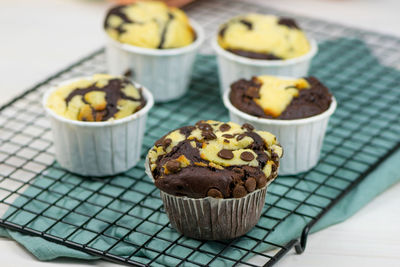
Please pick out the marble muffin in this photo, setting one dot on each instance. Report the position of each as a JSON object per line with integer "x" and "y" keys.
{"x": 265, "y": 37}
{"x": 215, "y": 159}
{"x": 278, "y": 98}
{"x": 99, "y": 98}
{"x": 149, "y": 24}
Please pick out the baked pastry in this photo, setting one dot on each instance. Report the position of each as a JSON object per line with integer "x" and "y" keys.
{"x": 278, "y": 98}
{"x": 99, "y": 98}
{"x": 215, "y": 159}
{"x": 260, "y": 36}
{"x": 149, "y": 24}
{"x": 213, "y": 177}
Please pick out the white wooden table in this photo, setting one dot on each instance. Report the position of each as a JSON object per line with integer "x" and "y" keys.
{"x": 40, "y": 37}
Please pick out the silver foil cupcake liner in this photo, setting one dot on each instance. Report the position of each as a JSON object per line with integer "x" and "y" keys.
{"x": 211, "y": 218}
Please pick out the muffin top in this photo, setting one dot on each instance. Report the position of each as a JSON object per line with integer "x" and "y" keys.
{"x": 216, "y": 159}
{"x": 99, "y": 98}
{"x": 150, "y": 25}
{"x": 263, "y": 37}
{"x": 276, "y": 98}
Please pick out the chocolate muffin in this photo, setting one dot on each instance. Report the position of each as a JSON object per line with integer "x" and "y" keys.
{"x": 215, "y": 159}
{"x": 213, "y": 177}
{"x": 149, "y": 24}
{"x": 277, "y": 98}
{"x": 100, "y": 98}
{"x": 265, "y": 37}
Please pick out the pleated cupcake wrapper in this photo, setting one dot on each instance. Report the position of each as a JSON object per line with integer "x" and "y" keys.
{"x": 232, "y": 68}
{"x": 211, "y": 218}
{"x": 301, "y": 139}
{"x": 165, "y": 72}
{"x": 99, "y": 148}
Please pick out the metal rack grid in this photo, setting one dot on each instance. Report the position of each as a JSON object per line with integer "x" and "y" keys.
{"x": 121, "y": 218}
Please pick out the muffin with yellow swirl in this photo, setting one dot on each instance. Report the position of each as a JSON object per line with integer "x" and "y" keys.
{"x": 153, "y": 43}
{"x": 99, "y": 98}
{"x": 258, "y": 44}
{"x": 263, "y": 37}
{"x": 150, "y": 25}
{"x": 214, "y": 170}
{"x": 297, "y": 110}
{"x": 98, "y": 123}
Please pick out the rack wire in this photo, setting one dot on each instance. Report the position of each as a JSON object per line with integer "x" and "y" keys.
{"x": 122, "y": 219}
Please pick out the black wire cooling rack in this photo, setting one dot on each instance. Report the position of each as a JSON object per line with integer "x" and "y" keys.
{"x": 121, "y": 218}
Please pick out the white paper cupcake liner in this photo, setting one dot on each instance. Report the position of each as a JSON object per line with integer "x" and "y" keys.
{"x": 301, "y": 139}
{"x": 211, "y": 218}
{"x": 232, "y": 67}
{"x": 98, "y": 148}
{"x": 165, "y": 72}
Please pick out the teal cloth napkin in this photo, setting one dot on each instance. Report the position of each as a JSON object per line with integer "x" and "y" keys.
{"x": 66, "y": 193}
{"x": 375, "y": 183}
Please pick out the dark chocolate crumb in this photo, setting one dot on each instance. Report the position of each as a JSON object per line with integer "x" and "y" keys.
{"x": 250, "y": 184}
{"x": 173, "y": 166}
{"x": 215, "y": 193}
{"x": 239, "y": 191}
{"x": 262, "y": 181}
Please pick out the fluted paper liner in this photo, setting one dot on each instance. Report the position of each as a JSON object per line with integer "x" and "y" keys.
{"x": 301, "y": 139}
{"x": 211, "y": 218}
{"x": 98, "y": 148}
{"x": 232, "y": 67}
{"x": 165, "y": 72}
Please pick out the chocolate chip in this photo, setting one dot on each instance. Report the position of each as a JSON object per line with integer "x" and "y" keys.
{"x": 166, "y": 142}
{"x": 228, "y": 135}
{"x": 208, "y": 135}
{"x": 240, "y": 137}
{"x": 159, "y": 142}
{"x": 215, "y": 193}
{"x": 248, "y": 127}
{"x": 226, "y": 141}
{"x": 247, "y": 156}
{"x": 225, "y": 154}
{"x": 239, "y": 191}
{"x": 173, "y": 166}
{"x": 262, "y": 181}
{"x": 250, "y": 184}
{"x": 204, "y": 126}
{"x": 224, "y": 127}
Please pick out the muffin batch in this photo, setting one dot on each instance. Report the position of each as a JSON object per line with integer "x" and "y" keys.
{"x": 276, "y": 98}
{"x": 211, "y": 164}
{"x": 263, "y": 37}
{"x": 149, "y": 25}
{"x": 99, "y": 98}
